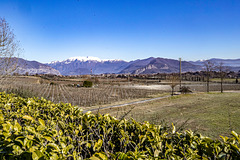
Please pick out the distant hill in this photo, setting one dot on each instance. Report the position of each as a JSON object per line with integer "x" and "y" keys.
{"x": 94, "y": 65}
{"x": 137, "y": 64}
{"x": 34, "y": 67}
{"x": 163, "y": 65}
{"x": 217, "y": 61}
{"x": 232, "y": 64}
{"x": 22, "y": 66}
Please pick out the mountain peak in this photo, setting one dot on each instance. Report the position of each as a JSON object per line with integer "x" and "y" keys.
{"x": 85, "y": 59}
{"x": 95, "y": 65}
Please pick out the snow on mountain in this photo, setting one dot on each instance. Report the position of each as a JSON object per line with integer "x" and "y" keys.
{"x": 88, "y": 65}
{"x": 85, "y": 59}
{"x": 95, "y": 65}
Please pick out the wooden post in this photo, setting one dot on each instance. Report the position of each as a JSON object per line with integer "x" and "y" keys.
{"x": 180, "y": 73}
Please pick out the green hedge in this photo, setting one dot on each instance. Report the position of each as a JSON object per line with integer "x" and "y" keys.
{"x": 87, "y": 84}
{"x": 33, "y": 128}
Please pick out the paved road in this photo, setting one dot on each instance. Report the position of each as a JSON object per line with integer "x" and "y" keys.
{"x": 126, "y": 104}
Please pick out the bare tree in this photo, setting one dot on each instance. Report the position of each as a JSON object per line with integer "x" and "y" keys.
{"x": 9, "y": 49}
{"x": 222, "y": 71}
{"x": 209, "y": 67}
{"x": 174, "y": 78}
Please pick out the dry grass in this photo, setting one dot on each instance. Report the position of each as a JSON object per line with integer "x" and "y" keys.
{"x": 64, "y": 91}
{"x": 211, "y": 114}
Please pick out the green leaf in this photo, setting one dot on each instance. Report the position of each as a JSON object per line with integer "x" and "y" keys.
{"x": 37, "y": 155}
{"x": 98, "y": 145}
{"x": 236, "y": 136}
{"x": 224, "y": 138}
{"x": 6, "y": 127}
{"x": 17, "y": 126}
{"x": 66, "y": 150}
{"x": 48, "y": 138}
{"x": 28, "y": 118}
{"x": 17, "y": 150}
{"x": 156, "y": 153}
{"x": 80, "y": 127}
{"x": 40, "y": 128}
{"x": 122, "y": 156}
{"x": 42, "y": 122}
{"x": 102, "y": 156}
{"x": 94, "y": 158}
{"x": 235, "y": 147}
{"x": 89, "y": 145}
{"x": 31, "y": 137}
{"x": 53, "y": 145}
{"x": 173, "y": 129}
{"x": 54, "y": 156}
{"x": 99, "y": 156}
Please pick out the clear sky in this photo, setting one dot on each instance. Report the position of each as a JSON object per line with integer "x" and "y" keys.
{"x": 125, "y": 29}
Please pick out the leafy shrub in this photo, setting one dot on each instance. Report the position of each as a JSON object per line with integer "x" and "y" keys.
{"x": 32, "y": 128}
{"x": 185, "y": 90}
{"x": 87, "y": 84}
{"x": 52, "y": 83}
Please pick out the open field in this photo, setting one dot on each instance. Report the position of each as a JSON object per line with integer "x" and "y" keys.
{"x": 211, "y": 114}
{"x": 107, "y": 91}
{"x": 227, "y": 80}
{"x": 64, "y": 91}
{"x": 194, "y": 86}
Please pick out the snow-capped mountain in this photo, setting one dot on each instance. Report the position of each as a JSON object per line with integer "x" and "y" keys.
{"x": 88, "y": 65}
{"x": 94, "y": 65}
{"x": 85, "y": 59}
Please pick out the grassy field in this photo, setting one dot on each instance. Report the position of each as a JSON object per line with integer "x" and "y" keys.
{"x": 229, "y": 80}
{"x": 211, "y": 114}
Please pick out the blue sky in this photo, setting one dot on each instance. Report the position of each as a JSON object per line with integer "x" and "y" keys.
{"x": 125, "y": 29}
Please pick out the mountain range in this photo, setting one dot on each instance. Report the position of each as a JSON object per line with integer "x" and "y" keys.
{"x": 34, "y": 67}
{"x": 22, "y": 66}
{"x": 94, "y": 65}
{"x": 88, "y": 65}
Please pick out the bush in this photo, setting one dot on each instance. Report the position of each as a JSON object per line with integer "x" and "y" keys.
{"x": 87, "y": 84}
{"x": 185, "y": 90}
{"x": 32, "y": 128}
{"x": 52, "y": 83}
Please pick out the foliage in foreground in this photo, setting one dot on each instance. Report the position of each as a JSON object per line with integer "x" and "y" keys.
{"x": 32, "y": 128}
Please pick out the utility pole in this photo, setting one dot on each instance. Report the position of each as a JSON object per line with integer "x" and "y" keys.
{"x": 180, "y": 72}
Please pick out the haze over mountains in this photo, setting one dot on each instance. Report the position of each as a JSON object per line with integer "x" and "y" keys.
{"x": 88, "y": 65}
{"x": 94, "y": 65}
{"x": 22, "y": 66}
{"x": 34, "y": 67}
